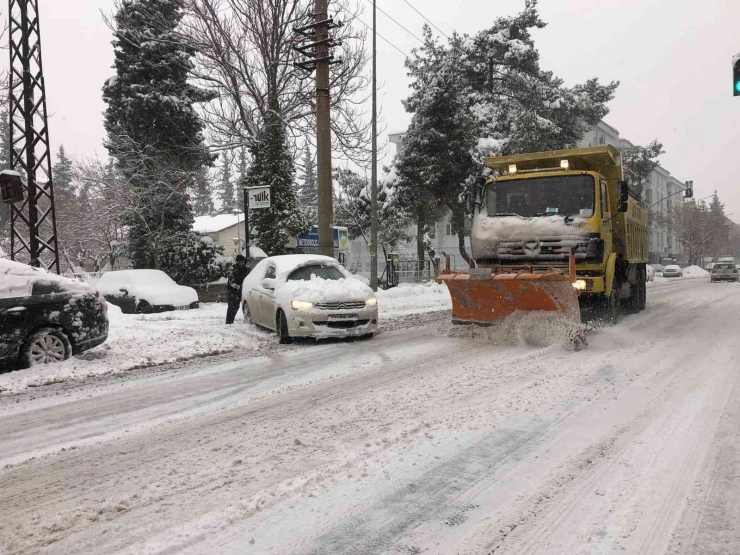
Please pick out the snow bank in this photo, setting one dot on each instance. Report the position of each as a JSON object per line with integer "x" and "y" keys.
{"x": 413, "y": 299}
{"x": 154, "y": 286}
{"x": 695, "y": 272}
{"x": 136, "y": 341}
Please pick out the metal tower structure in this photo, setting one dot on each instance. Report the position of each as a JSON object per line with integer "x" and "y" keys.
{"x": 33, "y": 237}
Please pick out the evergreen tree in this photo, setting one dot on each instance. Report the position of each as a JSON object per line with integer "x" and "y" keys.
{"x": 639, "y": 162}
{"x": 153, "y": 132}
{"x": 202, "y": 198}
{"x": 226, "y": 188}
{"x": 272, "y": 165}
{"x": 63, "y": 175}
{"x": 308, "y": 196}
{"x": 483, "y": 95}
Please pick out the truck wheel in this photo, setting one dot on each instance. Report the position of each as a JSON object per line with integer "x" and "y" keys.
{"x": 609, "y": 313}
{"x": 636, "y": 302}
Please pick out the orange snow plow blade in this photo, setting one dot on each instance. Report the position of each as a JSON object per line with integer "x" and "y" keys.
{"x": 480, "y": 297}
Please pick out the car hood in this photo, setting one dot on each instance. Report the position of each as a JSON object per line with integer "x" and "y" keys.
{"x": 318, "y": 290}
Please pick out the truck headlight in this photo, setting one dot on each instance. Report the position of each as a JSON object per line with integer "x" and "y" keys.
{"x": 301, "y": 305}
{"x": 371, "y": 302}
{"x": 580, "y": 284}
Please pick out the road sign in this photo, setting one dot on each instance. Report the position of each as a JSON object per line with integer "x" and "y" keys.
{"x": 259, "y": 197}
{"x": 310, "y": 239}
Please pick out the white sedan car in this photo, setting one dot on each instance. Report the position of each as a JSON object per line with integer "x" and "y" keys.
{"x": 304, "y": 295}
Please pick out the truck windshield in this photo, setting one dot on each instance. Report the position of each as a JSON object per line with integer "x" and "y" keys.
{"x": 567, "y": 195}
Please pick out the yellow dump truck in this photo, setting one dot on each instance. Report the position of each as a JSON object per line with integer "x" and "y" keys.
{"x": 556, "y": 231}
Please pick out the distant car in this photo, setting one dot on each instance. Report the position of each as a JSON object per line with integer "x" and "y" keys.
{"x": 672, "y": 270}
{"x": 650, "y": 275}
{"x": 146, "y": 291}
{"x": 724, "y": 272}
{"x": 301, "y": 295}
{"x": 45, "y": 317}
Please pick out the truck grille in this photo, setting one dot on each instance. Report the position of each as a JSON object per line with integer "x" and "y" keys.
{"x": 545, "y": 248}
{"x": 343, "y": 305}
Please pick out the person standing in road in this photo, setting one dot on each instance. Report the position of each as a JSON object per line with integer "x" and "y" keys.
{"x": 236, "y": 276}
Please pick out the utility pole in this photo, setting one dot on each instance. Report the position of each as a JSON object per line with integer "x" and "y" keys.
{"x": 319, "y": 50}
{"x": 323, "y": 131}
{"x": 33, "y": 231}
{"x": 374, "y": 173}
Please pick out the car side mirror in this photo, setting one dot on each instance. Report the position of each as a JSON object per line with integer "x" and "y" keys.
{"x": 124, "y": 291}
{"x": 268, "y": 283}
{"x": 624, "y": 196}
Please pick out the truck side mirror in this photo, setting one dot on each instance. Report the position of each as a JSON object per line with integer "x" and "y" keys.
{"x": 469, "y": 206}
{"x": 624, "y": 195}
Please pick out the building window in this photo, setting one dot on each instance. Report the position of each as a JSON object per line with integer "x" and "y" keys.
{"x": 649, "y": 196}
{"x": 602, "y": 140}
{"x": 448, "y": 229}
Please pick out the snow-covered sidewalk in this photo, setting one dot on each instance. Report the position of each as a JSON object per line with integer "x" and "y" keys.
{"x": 137, "y": 341}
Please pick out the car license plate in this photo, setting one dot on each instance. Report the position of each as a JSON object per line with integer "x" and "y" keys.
{"x": 335, "y": 317}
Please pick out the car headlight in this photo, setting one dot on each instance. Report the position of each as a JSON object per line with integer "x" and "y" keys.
{"x": 580, "y": 284}
{"x": 371, "y": 302}
{"x": 301, "y": 305}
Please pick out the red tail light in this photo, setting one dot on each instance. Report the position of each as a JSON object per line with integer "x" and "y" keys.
{"x": 734, "y": 271}
{"x": 714, "y": 271}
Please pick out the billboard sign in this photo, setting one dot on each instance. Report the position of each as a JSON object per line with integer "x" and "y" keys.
{"x": 259, "y": 197}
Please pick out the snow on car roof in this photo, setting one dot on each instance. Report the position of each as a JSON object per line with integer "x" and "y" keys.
{"x": 289, "y": 262}
{"x": 18, "y": 279}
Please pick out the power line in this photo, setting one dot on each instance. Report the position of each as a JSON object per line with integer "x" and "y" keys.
{"x": 426, "y": 19}
{"x": 397, "y": 23}
{"x": 385, "y": 39}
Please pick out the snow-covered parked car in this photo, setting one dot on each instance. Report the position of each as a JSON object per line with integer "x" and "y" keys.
{"x": 672, "y": 270}
{"x": 146, "y": 291}
{"x": 303, "y": 295}
{"x": 45, "y": 317}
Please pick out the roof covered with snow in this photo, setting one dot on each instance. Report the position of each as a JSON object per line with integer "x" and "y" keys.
{"x": 219, "y": 222}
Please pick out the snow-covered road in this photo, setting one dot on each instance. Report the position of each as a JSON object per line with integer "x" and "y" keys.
{"x": 418, "y": 441}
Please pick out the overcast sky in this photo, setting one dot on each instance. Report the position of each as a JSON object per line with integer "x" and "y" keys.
{"x": 672, "y": 57}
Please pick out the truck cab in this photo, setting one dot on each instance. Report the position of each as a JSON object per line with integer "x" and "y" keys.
{"x": 536, "y": 207}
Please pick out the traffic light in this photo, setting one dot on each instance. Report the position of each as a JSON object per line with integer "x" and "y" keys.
{"x": 689, "y": 191}
{"x": 736, "y": 75}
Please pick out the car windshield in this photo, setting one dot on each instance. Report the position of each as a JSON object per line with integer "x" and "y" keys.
{"x": 724, "y": 267}
{"x": 571, "y": 195}
{"x": 319, "y": 270}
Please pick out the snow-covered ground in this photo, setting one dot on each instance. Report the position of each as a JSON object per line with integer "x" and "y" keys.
{"x": 137, "y": 341}
{"x": 418, "y": 441}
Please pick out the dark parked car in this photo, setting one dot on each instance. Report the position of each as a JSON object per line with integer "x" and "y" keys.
{"x": 146, "y": 291}
{"x": 45, "y": 317}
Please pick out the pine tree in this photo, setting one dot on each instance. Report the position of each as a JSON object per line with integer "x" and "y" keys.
{"x": 202, "y": 198}
{"x": 63, "y": 174}
{"x": 639, "y": 162}
{"x": 272, "y": 165}
{"x": 153, "y": 132}
{"x": 226, "y": 187}
{"x": 309, "y": 192}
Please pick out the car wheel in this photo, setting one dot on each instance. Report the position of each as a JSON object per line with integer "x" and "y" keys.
{"x": 246, "y": 312}
{"x": 610, "y": 307}
{"x": 281, "y": 324}
{"x": 144, "y": 307}
{"x": 45, "y": 346}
